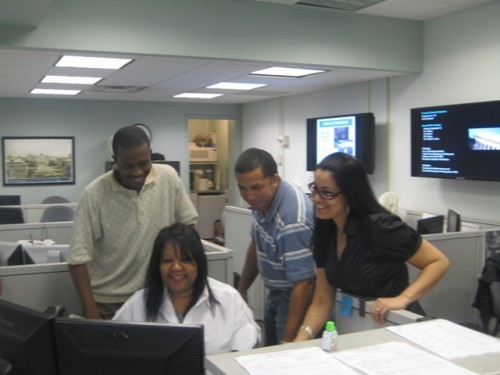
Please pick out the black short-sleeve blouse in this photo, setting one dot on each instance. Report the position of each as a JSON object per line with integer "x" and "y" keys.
{"x": 373, "y": 263}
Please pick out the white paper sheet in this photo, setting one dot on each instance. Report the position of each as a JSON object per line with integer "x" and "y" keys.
{"x": 398, "y": 358}
{"x": 294, "y": 362}
{"x": 447, "y": 339}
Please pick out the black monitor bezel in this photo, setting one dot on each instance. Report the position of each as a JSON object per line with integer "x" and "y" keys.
{"x": 95, "y": 347}
{"x": 428, "y": 225}
{"x": 466, "y": 165}
{"x": 453, "y": 221}
{"x": 26, "y": 339}
{"x": 10, "y": 200}
{"x": 365, "y": 139}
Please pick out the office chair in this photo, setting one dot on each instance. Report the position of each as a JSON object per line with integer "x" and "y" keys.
{"x": 389, "y": 200}
{"x": 55, "y": 199}
{"x": 495, "y": 300}
{"x": 57, "y": 213}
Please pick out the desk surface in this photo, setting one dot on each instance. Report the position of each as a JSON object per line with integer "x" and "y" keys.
{"x": 226, "y": 364}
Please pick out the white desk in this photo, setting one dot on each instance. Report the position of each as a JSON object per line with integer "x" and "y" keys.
{"x": 226, "y": 364}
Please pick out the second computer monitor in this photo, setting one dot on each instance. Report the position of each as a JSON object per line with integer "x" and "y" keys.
{"x": 453, "y": 222}
{"x": 431, "y": 225}
{"x": 26, "y": 340}
{"x": 98, "y": 347}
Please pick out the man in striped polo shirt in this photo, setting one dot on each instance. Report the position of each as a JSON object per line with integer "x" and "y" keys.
{"x": 280, "y": 247}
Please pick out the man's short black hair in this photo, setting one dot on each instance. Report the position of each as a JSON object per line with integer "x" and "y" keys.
{"x": 253, "y": 158}
{"x": 129, "y": 137}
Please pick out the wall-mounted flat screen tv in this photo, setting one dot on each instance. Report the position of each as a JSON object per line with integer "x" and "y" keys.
{"x": 353, "y": 134}
{"x": 458, "y": 141}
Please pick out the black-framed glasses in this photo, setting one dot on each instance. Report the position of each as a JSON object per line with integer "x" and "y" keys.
{"x": 322, "y": 193}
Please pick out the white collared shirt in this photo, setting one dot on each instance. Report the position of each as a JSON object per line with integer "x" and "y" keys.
{"x": 228, "y": 326}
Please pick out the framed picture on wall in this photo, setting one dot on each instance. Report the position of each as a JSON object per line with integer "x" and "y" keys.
{"x": 38, "y": 160}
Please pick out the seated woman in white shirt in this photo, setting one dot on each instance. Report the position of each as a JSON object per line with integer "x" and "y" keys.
{"x": 178, "y": 290}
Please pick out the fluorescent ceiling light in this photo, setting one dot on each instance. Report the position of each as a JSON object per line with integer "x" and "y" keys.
{"x": 55, "y": 92}
{"x": 286, "y": 72}
{"x": 194, "y": 95}
{"x": 92, "y": 62}
{"x": 236, "y": 86}
{"x": 71, "y": 79}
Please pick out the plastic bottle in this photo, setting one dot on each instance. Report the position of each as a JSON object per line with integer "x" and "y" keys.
{"x": 329, "y": 338}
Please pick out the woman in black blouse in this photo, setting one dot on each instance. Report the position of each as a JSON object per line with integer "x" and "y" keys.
{"x": 361, "y": 248}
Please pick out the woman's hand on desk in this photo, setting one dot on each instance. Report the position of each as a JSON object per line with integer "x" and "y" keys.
{"x": 382, "y": 306}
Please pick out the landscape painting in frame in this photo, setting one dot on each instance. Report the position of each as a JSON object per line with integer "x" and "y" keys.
{"x": 38, "y": 160}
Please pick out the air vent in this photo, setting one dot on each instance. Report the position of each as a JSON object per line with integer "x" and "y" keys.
{"x": 348, "y": 5}
{"x": 116, "y": 89}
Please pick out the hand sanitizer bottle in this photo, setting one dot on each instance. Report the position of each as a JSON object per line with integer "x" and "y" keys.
{"x": 329, "y": 338}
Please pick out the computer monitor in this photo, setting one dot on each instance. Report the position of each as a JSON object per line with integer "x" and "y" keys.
{"x": 99, "y": 347}
{"x": 174, "y": 164}
{"x": 6, "y": 250}
{"x": 430, "y": 225}
{"x": 10, "y": 200}
{"x": 453, "y": 221}
{"x": 19, "y": 257}
{"x": 26, "y": 340}
{"x": 11, "y": 215}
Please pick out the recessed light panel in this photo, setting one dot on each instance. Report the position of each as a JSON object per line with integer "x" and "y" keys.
{"x": 236, "y": 86}
{"x": 54, "y": 92}
{"x": 286, "y": 72}
{"x": 71, "y": 80}
{"x": 349, "y": 5}
{"x": 92, "y": 62}
{"x": 192, "y": 95}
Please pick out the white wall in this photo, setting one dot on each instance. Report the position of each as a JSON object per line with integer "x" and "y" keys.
{"x": 461, "y": 64}
{"x": 92, "y": 123}
{"x": 261, "y": 125}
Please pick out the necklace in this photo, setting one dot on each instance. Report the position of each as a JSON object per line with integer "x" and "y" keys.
{"x": 180, "y": 317}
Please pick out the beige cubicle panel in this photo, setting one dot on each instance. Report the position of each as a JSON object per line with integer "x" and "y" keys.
{"x": 237, "y": 222}
{"x": 59, "y": 232}
{"x": 44, "y": 284}
{"x": 220, "y": 262}
{"x": 358, "y": 317}
{"x": 452, "y": 297}
{"x": 16, "y": 232}
{"x": 33, "y": 213}
{"x": 40, "y": 285}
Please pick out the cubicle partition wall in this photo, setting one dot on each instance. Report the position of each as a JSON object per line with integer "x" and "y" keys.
{"x": 237, "y": 224}
{"x": 59, "y": 232}
{"x": 49, "y": 281}
{"x": 452, "y": 297}
{"x": 40, "y": 285}
{"x": 352, "y": 314}
{"x": 35, "y": 228}
{"x": 33, "y": 213}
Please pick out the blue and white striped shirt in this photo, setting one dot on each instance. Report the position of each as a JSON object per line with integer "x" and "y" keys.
{"x": 283, "y": 238}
